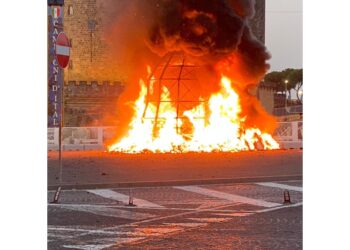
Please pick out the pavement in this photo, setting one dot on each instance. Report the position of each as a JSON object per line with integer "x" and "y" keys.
{"x": 213, "y": 216}
{"x": 95, "y": 169}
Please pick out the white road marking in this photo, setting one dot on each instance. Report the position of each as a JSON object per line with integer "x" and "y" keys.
{"x": 106, "y": 243}
{"x": 210, "y": 220}
{"x": 139, "y": 230}
{"x": 196, "y": 210}
{"x": 277, "y": 208}
{"x": 282, "y": 186}
{"x": 186, "y": 224}
{"x": 106, "y": 211}
{"x": 76, "y": 230}
{"x": 88, "y": 247}
{"x": 235, "y": 214}
{"x": 110, "y": 194}
{"x": 227, "y": 196}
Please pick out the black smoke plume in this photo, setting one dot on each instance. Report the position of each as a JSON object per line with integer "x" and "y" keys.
{"x": 213, "y": 29}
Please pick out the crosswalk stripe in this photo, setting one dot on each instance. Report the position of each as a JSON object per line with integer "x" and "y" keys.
{"x": 110, "y": 194}
{"x": 282, "y": 186}
{"x": 227, "y": 196}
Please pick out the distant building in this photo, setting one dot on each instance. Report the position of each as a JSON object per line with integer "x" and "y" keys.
{"x": 265, "y": 93}
{"x": 266, "y": 96}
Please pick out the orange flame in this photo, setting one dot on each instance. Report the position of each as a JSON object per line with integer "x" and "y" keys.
{"x": 222, "y": 129}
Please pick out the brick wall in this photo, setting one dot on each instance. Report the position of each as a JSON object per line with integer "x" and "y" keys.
{"x": 92, "y": 104}
{"x": 84, "y": 25}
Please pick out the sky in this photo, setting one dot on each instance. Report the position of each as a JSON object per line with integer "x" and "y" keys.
{"x": 283, "y": 33}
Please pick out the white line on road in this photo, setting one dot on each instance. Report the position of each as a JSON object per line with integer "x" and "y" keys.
{"x": 106, "y": 211}
{"x": 88, "y": 247}
{"x": 76, "y": 230}
{"x": 109, "y": 194}
{"x": 202, "y": 209}
{"x": 227, "y": 196}
{"x": 277, "y": 208}
{"x": 282, "y": 186}
{"x": 99, "y": 246}
{"x": 186, "y": 224}
{"x": 210, "y": 219}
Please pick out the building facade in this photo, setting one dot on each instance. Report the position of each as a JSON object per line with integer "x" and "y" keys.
{"x": 92, "y": 83}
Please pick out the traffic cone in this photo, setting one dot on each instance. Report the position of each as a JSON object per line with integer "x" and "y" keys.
{"x": 286, "y": 197}
{"x": 131, "y": 198}
{"x": 57, "y": 195}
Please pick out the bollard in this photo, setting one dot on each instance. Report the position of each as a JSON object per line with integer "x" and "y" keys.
{"x": 131, "y": 199}
{"x": 286, "y": 197}
{"x": 57, "y": 194}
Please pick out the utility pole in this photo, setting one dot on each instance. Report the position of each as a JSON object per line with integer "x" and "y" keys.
{"x": 285, "y": 91}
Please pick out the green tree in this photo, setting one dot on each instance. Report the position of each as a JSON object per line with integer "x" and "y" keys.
{"x": 286, "y": 80}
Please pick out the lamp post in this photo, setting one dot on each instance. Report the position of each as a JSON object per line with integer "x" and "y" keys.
{"x": 285, "y": 90}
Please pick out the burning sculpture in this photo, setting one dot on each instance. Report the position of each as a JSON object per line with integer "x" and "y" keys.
{"x": 201, "y": 96}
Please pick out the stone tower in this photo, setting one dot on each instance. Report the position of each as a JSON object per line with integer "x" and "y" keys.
{"x": 258, "y": 21}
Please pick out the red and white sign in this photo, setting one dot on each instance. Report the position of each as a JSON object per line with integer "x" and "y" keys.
{"x": 62, "y": 50}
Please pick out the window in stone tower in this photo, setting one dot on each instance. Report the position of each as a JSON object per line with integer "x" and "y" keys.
{"x": 70, "y": 10}
{"x": 70, "y": 64}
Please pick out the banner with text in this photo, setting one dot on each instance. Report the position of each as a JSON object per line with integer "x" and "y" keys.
{"x": 55, "y": 73}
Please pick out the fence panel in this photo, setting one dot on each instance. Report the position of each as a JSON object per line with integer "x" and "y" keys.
{"x": 96, "y": 138}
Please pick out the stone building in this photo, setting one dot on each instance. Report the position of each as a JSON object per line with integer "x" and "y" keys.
{"x": 264, "y": 93}
{"x": 92, "y": 83}
{"x": 266, "y": 96}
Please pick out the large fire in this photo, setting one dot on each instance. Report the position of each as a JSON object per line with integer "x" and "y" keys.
{"x": 222, "y": 130}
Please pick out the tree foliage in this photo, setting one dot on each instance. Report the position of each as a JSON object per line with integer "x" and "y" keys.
{"x": 285, "y": 80}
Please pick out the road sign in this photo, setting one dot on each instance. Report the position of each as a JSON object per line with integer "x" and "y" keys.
{"x": 62, "y": 50}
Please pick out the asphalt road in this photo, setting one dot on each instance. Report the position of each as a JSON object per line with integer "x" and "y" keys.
{"x": 103, "y": 169}
{"x": 220, "y": 216}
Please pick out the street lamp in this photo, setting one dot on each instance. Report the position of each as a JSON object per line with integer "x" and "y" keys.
{"x": 285, "y": 90}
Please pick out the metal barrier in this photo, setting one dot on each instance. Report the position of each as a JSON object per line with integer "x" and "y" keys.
{"x": 80, "y": 138}
{"x": 288, "y": 110}
{"x": 288, "y": 134}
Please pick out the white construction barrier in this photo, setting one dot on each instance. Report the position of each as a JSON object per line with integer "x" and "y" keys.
{"x": 288, "y": 134}
{"x": 80, "y": 138}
